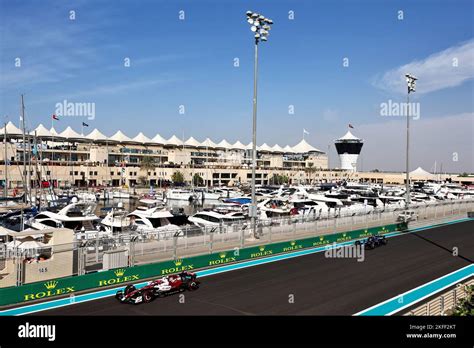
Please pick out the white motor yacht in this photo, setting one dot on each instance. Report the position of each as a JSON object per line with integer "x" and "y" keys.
{"x": 154, "y": 220}
{"x": 211, "y": 218}
{"x": 78, "y": 216}
{"x": 181, "y": 195}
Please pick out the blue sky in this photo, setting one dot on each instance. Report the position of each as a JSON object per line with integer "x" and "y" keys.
{"x": 190, "y": 62}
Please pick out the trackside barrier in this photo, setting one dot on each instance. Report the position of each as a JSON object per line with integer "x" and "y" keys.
{"x": 69, "y": 285}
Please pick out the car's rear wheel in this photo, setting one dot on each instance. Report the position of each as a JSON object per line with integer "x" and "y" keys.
{"x": 147, "y": 296}
{"x": 371, "y": 245}
{"x": 384, "y": 241}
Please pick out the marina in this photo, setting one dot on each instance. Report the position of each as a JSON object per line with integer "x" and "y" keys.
{"x": 161, "y": 161}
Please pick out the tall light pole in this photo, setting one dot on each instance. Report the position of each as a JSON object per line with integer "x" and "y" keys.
{"x": 260, "y": 25}
{"x": 411, "y": 84}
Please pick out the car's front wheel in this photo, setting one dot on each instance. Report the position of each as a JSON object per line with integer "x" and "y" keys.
{"x": 193, "y": 285}
{"x": 147, "y": 296}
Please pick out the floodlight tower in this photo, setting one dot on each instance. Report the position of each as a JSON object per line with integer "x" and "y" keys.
{"x": 411, "y": 84}
{"x": 260, "y": 26}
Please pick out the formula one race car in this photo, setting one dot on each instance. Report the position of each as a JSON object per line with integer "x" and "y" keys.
{"x": 372, "y": 242}
{"x": 158, "y": 288}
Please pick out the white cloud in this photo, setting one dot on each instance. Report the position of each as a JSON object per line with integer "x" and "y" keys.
{"x": 437, "y": 71}
{"x": 448, "y": 140}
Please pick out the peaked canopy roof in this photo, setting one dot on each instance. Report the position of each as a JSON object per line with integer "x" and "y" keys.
{"x": 69, "y": 133}
{"x": 277, "y": 148}
{"x": 158, "y": 139}
{"x": 174, "y": 140}
{"x": 238, "y": 145}
{"x": 142, "y": 139}
{"x": 53, "y": 131}
{"x": 208, "y": 143}
{"x": 303, "y": 147}
{"x": 288, "y": 149}
{"x": 420, "y": 172}
{"x": 192, "y": 142}
{"x": 120, "y": 137}
{"x": 265, "y": 147}
{"x": 41, "y": 132}
{"x": 349, "y": 136}
{"x": 11, "y": 130}
{"x": 96, "y": 135}
{"x": 224, "y": 144}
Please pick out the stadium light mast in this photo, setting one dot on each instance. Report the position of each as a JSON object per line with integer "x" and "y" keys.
{"x": 260, "y": 26}
{"x": 411, "y": 84}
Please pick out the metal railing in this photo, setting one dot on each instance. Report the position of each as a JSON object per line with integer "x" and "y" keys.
{"x": 442, "y": 304}
{"x": 150, "y": 246}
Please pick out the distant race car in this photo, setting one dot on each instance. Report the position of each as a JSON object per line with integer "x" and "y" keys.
{"x": 372, "y": 242}
{"x": 158, "y": 288}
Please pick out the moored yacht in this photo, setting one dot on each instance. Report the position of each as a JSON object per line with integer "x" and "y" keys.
{"x": 78, "y": 216}
{"x": 181, "y": 195}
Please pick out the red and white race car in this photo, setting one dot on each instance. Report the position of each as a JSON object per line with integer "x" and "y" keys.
{"x": 158, "y": 288}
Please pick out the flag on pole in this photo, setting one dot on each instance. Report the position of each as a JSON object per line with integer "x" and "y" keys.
{"x": 305, "y": 131}
{"x": 85, "y": 124}
{"x": 55, "y": 117}
{"x": 351, "y": 126}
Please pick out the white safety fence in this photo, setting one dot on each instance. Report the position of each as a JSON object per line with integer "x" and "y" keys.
{"x": 197, "y": 240}
{"x": 147, "y": 247}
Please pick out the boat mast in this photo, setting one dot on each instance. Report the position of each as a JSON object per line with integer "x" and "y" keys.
{"x": 5, "y": 160}
{"x": 26, "y": 175}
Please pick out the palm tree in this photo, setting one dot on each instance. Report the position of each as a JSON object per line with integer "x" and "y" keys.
{"x": 177, "y": 177}
{"x": 147, "y": 163}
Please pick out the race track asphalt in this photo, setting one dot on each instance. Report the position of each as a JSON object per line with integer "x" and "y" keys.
{"x": 318, "y": 285}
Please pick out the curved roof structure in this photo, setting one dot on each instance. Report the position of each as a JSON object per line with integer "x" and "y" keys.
{"x": 69, "y": 133}
{"x": 120, "y": 137}
{"x": 304, "y": 147}
{"x": 96, "y": 135}
{"x": 11, "y": 130}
